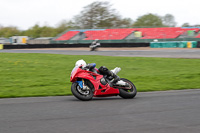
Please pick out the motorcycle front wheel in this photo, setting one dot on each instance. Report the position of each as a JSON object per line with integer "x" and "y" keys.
{"x": 127, "y": 92}
{"x": 80, "y": 93}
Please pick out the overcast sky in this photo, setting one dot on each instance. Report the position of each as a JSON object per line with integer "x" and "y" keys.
{"x": 26, "y": 13}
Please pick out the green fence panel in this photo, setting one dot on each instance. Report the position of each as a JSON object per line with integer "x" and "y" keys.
{"x": 169, "y": 45}
{"x": 182, "y": 44}
{"x": 174, "y": 44}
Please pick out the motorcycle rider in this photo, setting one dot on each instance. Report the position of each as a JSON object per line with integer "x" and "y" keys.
{"x": 94, "y": 45}
{"x": 102, "y": 70}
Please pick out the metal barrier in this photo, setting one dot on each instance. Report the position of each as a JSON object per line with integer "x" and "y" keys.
{"x": 74, "y": 45}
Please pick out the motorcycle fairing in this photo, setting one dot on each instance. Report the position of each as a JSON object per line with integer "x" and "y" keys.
{"x": 104, "y": 90}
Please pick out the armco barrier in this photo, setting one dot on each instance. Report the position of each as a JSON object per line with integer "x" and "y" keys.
{"x": 80, "y": 45}
{"x": 44, "y": 46}
{"x": 31, "y": 46}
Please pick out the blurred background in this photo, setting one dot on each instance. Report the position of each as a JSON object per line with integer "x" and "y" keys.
{"x": 112, "y": 22}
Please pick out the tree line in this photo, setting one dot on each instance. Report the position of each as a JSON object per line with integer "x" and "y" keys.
{"x": 96, "y": 15}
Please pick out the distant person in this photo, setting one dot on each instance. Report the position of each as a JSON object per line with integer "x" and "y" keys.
{"x": 94, "y": 45}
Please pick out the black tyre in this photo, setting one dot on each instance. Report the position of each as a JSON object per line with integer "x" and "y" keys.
{"x": 129, "y": 91}
{"x": 78, "y": 92}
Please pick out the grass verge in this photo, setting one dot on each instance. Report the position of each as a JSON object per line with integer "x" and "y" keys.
{"x": 24, "y": 75}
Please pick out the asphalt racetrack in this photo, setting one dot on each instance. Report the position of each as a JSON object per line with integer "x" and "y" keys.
{"x": 133, "y": 52}
{"x": 148, "y": 112}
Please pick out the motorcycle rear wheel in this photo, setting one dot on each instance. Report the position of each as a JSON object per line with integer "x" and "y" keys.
{"x": 127, "y": 93}
{"x": 84, "y": 95}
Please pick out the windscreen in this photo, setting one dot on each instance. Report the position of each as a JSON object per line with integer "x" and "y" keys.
{"x": 76, "y": 67}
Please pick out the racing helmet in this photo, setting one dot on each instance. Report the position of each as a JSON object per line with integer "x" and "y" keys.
{"x": 80, "y": 63}
{"x": 96, "y": 40}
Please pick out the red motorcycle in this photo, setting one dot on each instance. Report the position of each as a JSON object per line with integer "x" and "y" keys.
{"x": 88, "y": 84}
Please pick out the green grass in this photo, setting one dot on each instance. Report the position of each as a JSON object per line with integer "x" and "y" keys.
{"x": 24, "y": 75}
